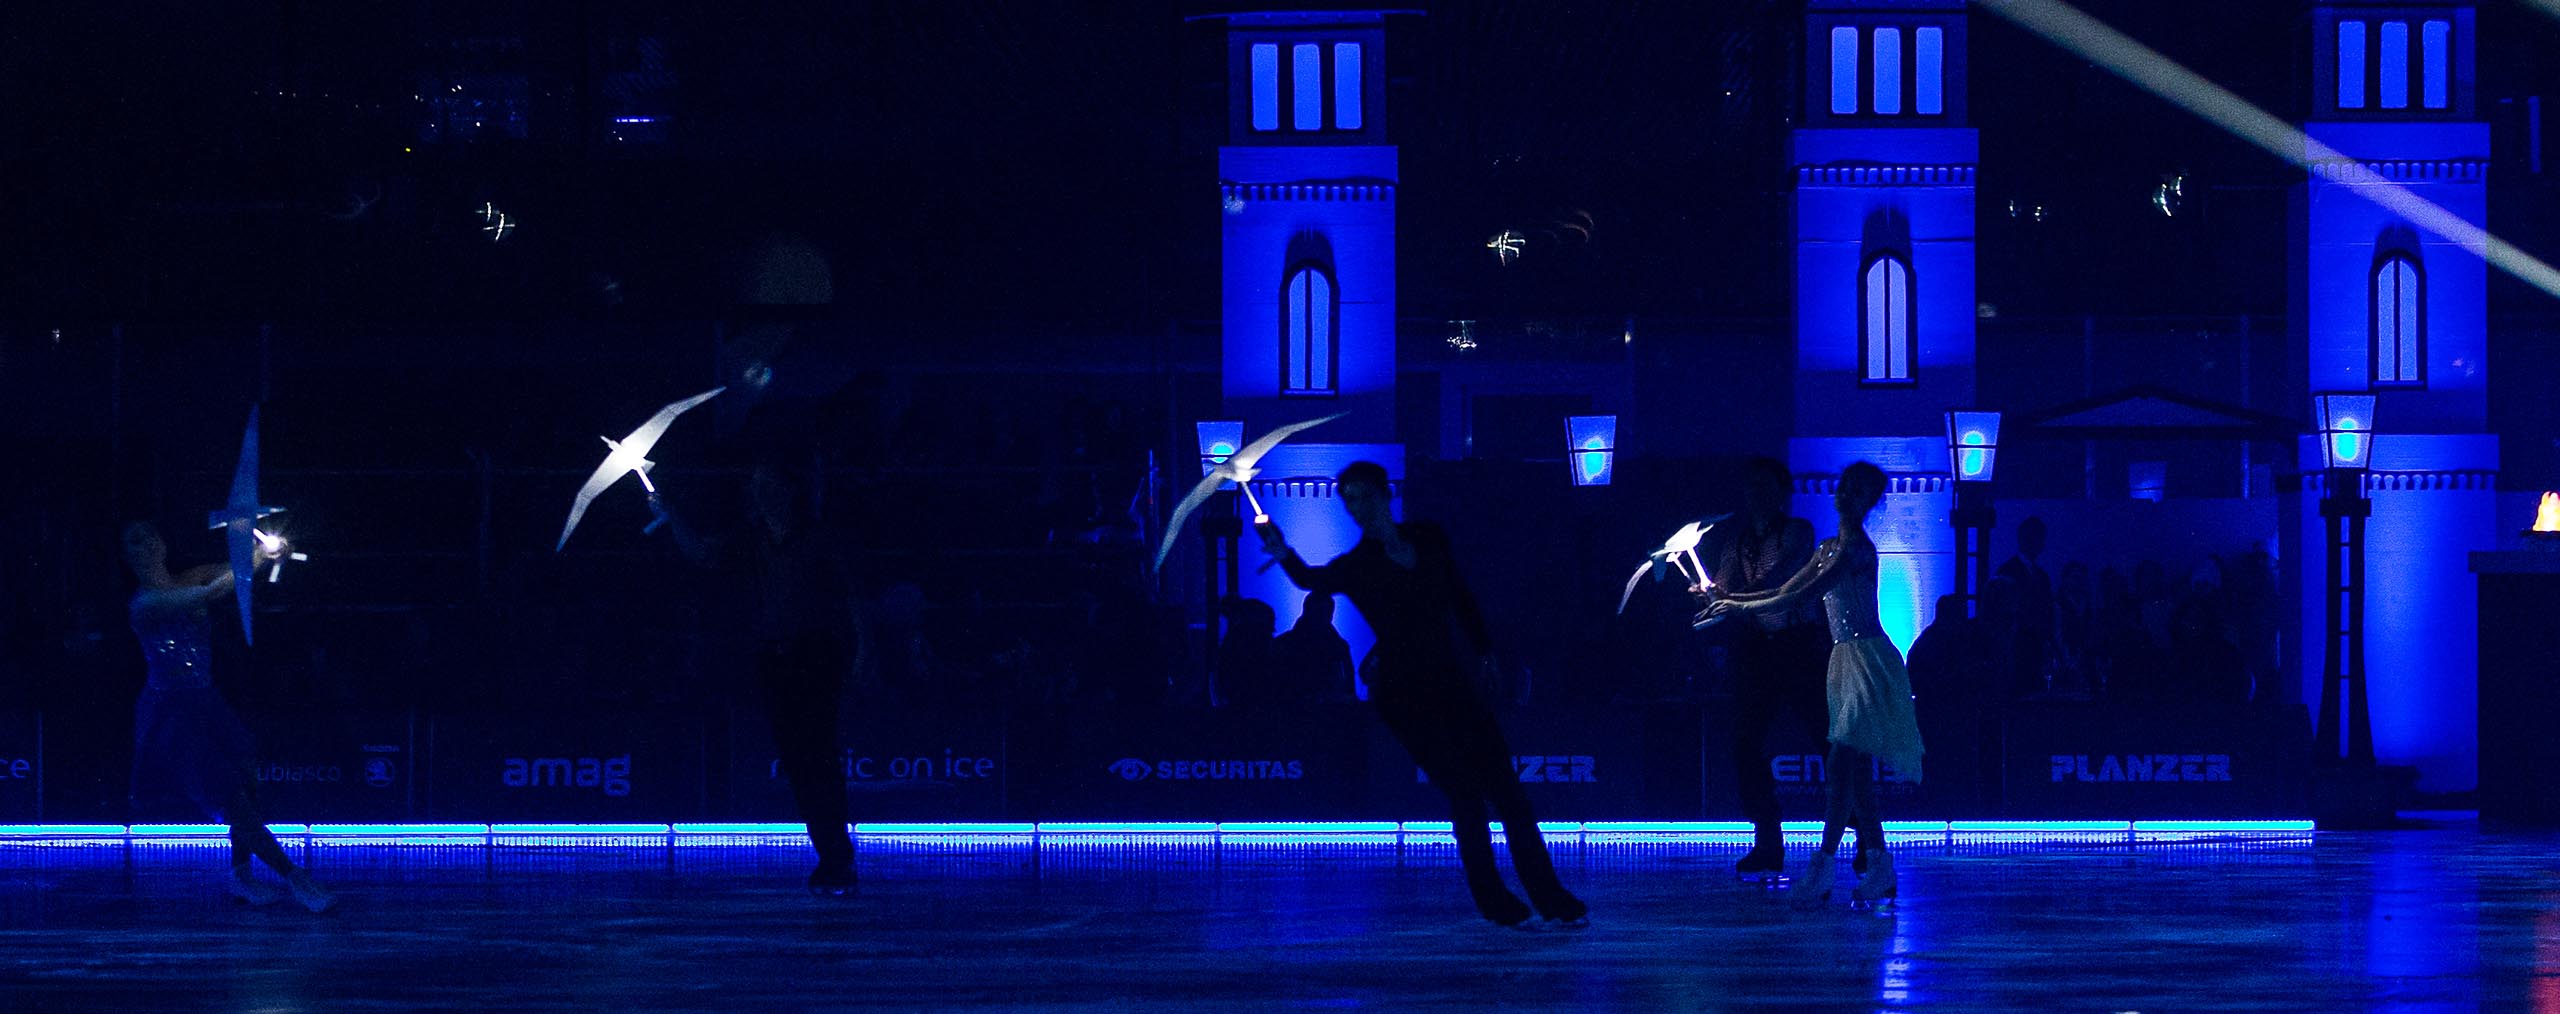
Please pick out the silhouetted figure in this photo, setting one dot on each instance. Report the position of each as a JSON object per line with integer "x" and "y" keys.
{"x": 184, "y": 734}
{"x": 1313, "y": 660}
{"x": 803, "y": 578}
{"x": 2074, "y": 620}
{"x": 1245, "y": 655}
{"x": 1866, "y": 686}
{"x": 1405, "y": 583}
{"x": 2209, "y": 667}
{"x": 1949, "y": 662}
{"x": 2034, "y": 657}
{"x": 1777, "y": 658}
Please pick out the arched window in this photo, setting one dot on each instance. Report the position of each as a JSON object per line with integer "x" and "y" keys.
{"x": 1310, "y": 313}
{"x": 2399, "y": 321}
{"x": 1885, "y": 306}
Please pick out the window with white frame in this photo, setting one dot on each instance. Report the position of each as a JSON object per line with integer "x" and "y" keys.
{"x": 1885, "y": 305}
{"x": 1310, "y": 315}
{"x": 2399, "y": 321}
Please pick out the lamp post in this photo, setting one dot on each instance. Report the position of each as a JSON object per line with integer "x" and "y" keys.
{"x": 2346, "y": 450}
{"x": 1220, "y": 528}
{"x": 1591, "y": 448}
{"x": 1973, "y": 454}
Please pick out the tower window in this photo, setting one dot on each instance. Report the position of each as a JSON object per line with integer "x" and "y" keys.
{"x": 1844, "y": 70}
{"x": 2399, "y": 321}
{"x": 1346, "y": 86}
{"x": 1888, "y": 71}
{"x": 1307, "y": 346}
{"x": 1884, "y": 321}
{"x": 1266, "y": 86}
{"x": 1306, "y": 73}
{"x": 2394, "y": 90}
{"x": 1929, "y": 60}
{"x": 2434, "y": 41}
{"x": 2351, "y": 65}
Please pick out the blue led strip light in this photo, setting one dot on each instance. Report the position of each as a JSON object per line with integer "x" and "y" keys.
{"x": 1249, "y": 829}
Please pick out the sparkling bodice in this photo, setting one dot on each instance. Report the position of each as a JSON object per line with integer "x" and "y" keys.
{"x": 1850, "y": 600}
{"x": 177, "y": 645}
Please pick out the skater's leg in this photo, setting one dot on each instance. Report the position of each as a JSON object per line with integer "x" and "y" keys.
{"x": 800, "y": 698}
{"x": 250, "y": 838}
{"x": 1421, "y": 726}
{"x": 1487, "y": 753}
{"x": 1759, "y": 695}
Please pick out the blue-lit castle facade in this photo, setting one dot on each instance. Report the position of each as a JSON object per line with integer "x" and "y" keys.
{"x": 1882, "y": 167}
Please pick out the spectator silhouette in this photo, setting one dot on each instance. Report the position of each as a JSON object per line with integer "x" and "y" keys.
{"x": 1313, "y": 661}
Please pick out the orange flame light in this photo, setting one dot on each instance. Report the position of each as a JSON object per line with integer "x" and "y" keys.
{"x": 2548, "y": 518}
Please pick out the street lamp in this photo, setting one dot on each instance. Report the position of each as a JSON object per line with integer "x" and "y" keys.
{"x": 1220, "y": 529}
{"x": 1973, "y": 455}
{"x": 1219, "y": 439}
{"x": 2346, "y": 451}
{"x": 1591, "y": 448}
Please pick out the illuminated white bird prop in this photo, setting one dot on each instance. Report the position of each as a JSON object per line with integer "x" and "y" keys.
{"x": 239, "y": 519}
{"x": 1682, "y": 544}
{"x": 1239, "y": 469}
{"x": 275, "y": 548}
{"x": 629, "y": 454}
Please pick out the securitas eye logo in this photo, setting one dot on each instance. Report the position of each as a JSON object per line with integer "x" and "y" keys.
{"x": 1131, "y": 769}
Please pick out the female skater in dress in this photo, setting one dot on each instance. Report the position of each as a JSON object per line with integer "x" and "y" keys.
{"x": 184, "y": 735}
{"x": 1868, "y": 691}
{"x": 1405, "y": 583}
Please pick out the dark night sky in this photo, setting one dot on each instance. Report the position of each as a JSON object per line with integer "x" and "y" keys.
{"x": 1055, "y": 161}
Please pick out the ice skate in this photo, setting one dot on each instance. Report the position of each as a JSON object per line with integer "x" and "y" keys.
{"x": 1813, "y": 889}
{"x": 1765, "y": 865}
{"x": 1878, "y": 886}
{"x": 246, "y": 887}
{"x": 832, "y": 881}
{"x": 309, "y": 892}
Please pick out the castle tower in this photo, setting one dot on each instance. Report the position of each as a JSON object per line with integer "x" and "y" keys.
{"x": 1307, "y": 246}
{"x": 2379, "y": 306}
{"x": 1884, "y": 234}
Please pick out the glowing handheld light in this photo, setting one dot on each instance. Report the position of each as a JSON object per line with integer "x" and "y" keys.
{"x": 239, "y": 520}
{"x": 1238, "y": 468}
{"x": 1682, "y": 545}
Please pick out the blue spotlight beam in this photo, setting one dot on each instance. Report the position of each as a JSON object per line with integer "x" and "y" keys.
{"x": 2069, "y": 28}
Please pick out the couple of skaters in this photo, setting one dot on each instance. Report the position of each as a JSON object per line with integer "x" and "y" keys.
{"x": 1406, "y": 584}
{"x": 1402, "y": 577}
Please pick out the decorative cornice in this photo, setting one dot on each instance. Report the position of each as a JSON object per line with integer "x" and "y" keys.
{"x": 1894, "y": 485}
{"x": 2445, "y": 481}
{"x": 1309, "y": 487}
{"x": 1884, "y": 175}
{"x": 1308, "y": 191}
{"x": 2441, "y": 170}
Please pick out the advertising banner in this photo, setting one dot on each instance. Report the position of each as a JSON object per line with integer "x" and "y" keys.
{"x": 620, "y": 769}
{"x": 1281, "y": 763}
{"x": 897, "y": 767}
{"x": 2100, "y": 761}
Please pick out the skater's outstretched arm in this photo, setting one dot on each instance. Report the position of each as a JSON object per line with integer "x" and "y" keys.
{"x": 704, "y": 551}
{"x": 1324, "y": 580}
{"x": 190, "y": 591}
{"x": 1815, "y": 577}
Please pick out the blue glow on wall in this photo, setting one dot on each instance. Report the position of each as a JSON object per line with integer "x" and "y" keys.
{"x": 1296, "y": 488}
